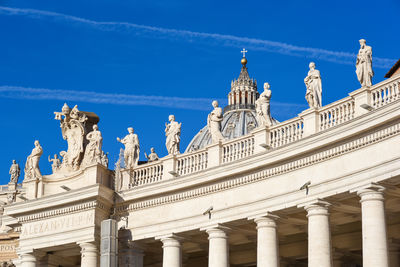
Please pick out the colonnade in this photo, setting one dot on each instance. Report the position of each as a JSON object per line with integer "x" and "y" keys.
{"x": 374, "y": 238}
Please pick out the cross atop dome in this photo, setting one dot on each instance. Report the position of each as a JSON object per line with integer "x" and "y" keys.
{"x": 244, "y": 51}
{"x": 244, "y": 60}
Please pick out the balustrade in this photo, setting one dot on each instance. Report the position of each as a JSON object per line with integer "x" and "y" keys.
{"x": 307, "y": 123}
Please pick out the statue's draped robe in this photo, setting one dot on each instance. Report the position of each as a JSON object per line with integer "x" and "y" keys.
{"x": 132, "y": 150}
{"x": 93, "y": 149}
{"x": 172, "y": 133}
{"x": 364, "y": 66}
{"x": 263, "y": 109}
{"x": 32, "y": 163}
{"x": 214, "y": 124}
{"x": 314, "y": 87}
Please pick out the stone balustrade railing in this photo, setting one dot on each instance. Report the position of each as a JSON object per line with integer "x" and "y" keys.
{"x": 286, "y": 132}
{"x": 309, "y": 122}
{"x": 386, "y": 92}
{"x": 336, "y": 113}
{"x": 238, "y": 148}
{"x": 191, "y": 162}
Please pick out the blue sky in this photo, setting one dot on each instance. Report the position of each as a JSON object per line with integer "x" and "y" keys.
{"x": 135, "y": 62}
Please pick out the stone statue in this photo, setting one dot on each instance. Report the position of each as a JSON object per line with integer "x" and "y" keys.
{"x": 132, "y": 149}
{"x": 73, "y": 130}
{"x": 93, "y": 152}
{"x": 214, "y": 123}
{"x": 173, "y": 134}
{"x": 56, "y": 163}
{"x": 104, "y": 159}
{"x": 364, "y": 64}
{"x": 152, "y": 156}
{"x": 14, "y": 172}
{"x": 314, "y": 87}
{"x": 32, "y": 163}
{"x": 263, "y": 107}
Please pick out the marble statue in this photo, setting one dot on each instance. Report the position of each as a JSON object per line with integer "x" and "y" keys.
{"x": 93, "y": 152}
{"x": 132, "y": 149}
{"x": 14, "y": 172}
{"x": 73, "y": 130}
{"x": 314, "y": 87}
{"x": 364, "y": 64}
{"x": 214, "y": 120}
{"x": 263, "y": 107}
{"x": 55, "y": 163}
{"x": 104, "y": 159}
{"x": 32, "y": 163}
{"x": 173, "y": 134}
{"x": 152, "y": 156}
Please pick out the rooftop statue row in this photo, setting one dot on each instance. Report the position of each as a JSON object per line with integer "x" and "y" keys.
{"x": 363, "y": 70}
{"x": 84, "y": 139}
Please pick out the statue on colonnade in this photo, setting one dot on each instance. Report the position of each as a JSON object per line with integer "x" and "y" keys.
{"x": 263, "y": 107}
{"x": 314, "y": 87}
{"x": 214, "y": 120}
{"x": 32, "y": 163}
{"x": 132, "y": 149}
{"x": 173, "y": 134}
{"x": 14, "y": 172}
{"x": 152, "y": 156}
{"x": 364, "y": 64}
{"x": 93, "y": 152}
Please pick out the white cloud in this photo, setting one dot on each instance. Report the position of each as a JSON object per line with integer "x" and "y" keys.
{"x": 17, "y": 92}
{"x": 218, "y": 39}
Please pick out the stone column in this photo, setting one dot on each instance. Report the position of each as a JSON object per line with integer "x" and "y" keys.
{"x": 172, "y": 253}
{"x": 28, "y": 260}
{"x": 218, "y": 252}
{"x": 319, "y": 236}
{"x": 374, "y": 240}
{"x": 89, "y": 255}
{"x": 267, "y": 241}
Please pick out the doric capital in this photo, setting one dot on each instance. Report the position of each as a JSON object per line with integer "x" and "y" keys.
{"x": 216, "y": 231}
{"x": 370, "y": 192}
{"x": 316, "y": 207}
{"x": 267, "y": 220}
{"x": 88, "y": 247}
{"x": 170, "y": 240}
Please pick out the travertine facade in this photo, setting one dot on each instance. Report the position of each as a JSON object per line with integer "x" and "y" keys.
{"x": 320, "y": 190}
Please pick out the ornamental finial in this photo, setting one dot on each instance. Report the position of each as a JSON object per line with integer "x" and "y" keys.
{"x": 244, "y": 60}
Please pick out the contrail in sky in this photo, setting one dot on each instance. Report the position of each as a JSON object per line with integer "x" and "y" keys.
{"x": 217, "y": 39}
{"x": 17, "y": 92}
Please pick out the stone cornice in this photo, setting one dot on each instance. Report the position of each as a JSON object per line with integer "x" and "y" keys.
{"x": 61, "y": 201}
{"x": 94, "y": 204}
{"x": 314, "y": 149}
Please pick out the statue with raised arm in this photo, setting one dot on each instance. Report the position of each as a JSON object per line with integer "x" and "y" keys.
{"x": 32, "y": 163}
{"x": 56, "y": 163}
{"x": 173, "y": 134}
{"x": 14, "y": 172}
{"x": 364, "y": 64}
{"x": 132, "y": 149}
{"x": 93, "y": 152}
{"x": 152, "y": 156}
{"x": 214, "y": 120}
{"x": 314, "y": 87}
{"x": 263, "y": 110}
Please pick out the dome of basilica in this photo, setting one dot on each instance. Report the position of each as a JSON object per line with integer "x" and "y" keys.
{"x": 239, "y": 117}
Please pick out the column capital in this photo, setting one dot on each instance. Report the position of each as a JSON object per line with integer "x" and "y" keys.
{"x": 266, "y": 220}
{"x": 316, "y": 207}
{"x": 371, "y": 192}
{"x": 170, "y": 240}
{"x": 216, "y": 231}
{"x": 27, "y": 257}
